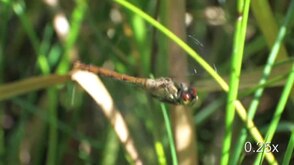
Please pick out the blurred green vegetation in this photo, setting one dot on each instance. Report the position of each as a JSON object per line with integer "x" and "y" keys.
{"x": 61, "y": 124}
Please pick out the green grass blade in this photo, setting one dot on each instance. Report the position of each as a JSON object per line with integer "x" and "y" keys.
{"x": 19, "y": 9}
{"x": 3, "y": 39}
{"x": 289, "y": 150}
{"x": 169, "y": 134}
{"x": 44, "y": 47}
{"x": 76, "y": 21}
{"x": 236, "y": 63}
{"x": 53, "y": 129}
{"x": 141, "y": 36}
{"x": 110, "y": 152}
{"x": 31, "y": 84}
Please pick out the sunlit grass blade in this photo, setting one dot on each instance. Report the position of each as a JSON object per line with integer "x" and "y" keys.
{"x": 95, "y": 88}
{"x": 265, "y": 18}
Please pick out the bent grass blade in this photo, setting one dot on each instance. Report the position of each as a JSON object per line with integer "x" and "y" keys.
{"x": 95, "y": 88}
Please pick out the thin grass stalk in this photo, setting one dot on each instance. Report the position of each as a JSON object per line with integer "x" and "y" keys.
{"x": 19, "y": 9}
{"x": 14, "y": 144}
{"x": 44, "y": 46}
{"x": 237, "y": 56}
{"x": 76, "y": 22}
{"x": 2, "y": 139}
{"x": 3, "y": 39}
{"x": 289, "y": 150}
{"x": 169, "y": 134}
{"x": 53, "y": 131}
{"x": 111, "y": 151}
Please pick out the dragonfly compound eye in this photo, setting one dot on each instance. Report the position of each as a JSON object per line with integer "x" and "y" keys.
{"x": 193, "y": 93}
{"x": 189, "y": 95}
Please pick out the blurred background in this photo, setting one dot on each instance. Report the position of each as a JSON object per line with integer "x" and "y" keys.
{"x": 63, "y": 125}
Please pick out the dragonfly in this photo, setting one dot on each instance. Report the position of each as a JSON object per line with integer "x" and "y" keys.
{"x": 163, "y": 88}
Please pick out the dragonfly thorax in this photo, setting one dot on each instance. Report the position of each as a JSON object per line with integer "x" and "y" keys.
{"x": 167, "y": 90}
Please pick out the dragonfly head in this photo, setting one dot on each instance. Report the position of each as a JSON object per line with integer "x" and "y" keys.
{"x": 187, "y": 95}
{"x": 169, "y": 91}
